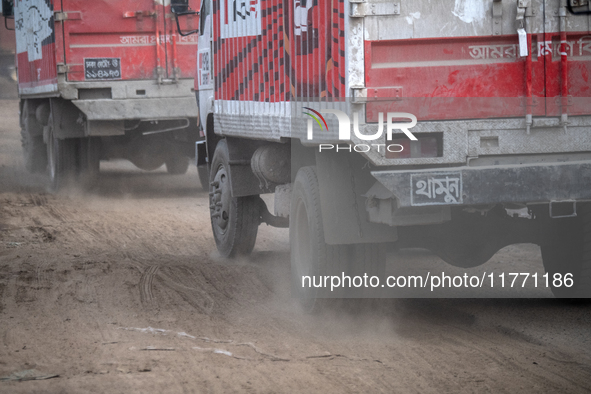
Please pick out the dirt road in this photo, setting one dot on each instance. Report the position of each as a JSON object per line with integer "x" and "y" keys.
{"x": 120, "y": 290}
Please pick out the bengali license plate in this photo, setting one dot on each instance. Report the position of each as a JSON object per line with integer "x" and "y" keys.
{"x": 102, "y": 68}
{"x": 440, "y": 188}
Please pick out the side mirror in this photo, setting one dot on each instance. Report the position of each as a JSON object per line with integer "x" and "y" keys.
{"x": 179, "y": 6}
{"x": 579, "y": 7}
{"x": 7, "y": 8}
{"x": 181, "y": 11}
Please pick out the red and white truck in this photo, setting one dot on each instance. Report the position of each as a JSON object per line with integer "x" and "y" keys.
{"x": 103, "y": 79}
{"x": 501, "y": 95}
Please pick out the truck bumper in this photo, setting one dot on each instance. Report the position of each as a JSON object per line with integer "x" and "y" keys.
{"x": 540, "y": 183}
{"x": 155, "y": 108}
{"x": 124, "y": 99}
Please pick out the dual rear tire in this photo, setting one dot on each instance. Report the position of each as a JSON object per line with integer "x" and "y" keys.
{"x": 71, "y": 161}
{"x": 566, "y": 253}
{"x": 203, "y": 173}
{"x": 65, "y": 160}
{"x": 34, "y": 152}
{"x": 62, "y": 161}
{"x": 177, "y": 165}
{"x": 312, "y": 257}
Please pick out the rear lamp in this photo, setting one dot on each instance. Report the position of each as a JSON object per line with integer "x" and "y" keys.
{"x": 426, "y": 146}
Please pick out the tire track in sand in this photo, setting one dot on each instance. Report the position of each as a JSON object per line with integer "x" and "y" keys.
{"x": 146, "y": 283}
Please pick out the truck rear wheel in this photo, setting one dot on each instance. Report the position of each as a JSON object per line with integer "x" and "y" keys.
{"x": 367, "y": 259}
{"x": 203, "y": 173}
{"x": 90, "y": 156}
{"x": 34, "y": 152}
{"x": 566, "y": 249}
{"x": 310, "y": 254}
{"x": 234, "y": 220}
{"x": 177, "y": 165}
{"x": 62, "y": 160}
{"x": 34, "y": 149}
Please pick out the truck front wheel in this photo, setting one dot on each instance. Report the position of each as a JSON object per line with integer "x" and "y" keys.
{"x": 566, "y": 253}
{"x": 234, "y": 220}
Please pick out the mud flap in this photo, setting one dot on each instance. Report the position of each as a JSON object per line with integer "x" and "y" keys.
{"x": 343, "y": 178}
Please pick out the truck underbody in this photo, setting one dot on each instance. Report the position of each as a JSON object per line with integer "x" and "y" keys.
{"x": 503, "y": 139}
{"x": 143, "y": 122}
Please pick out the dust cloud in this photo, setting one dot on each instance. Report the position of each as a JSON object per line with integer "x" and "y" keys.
{"x": 119, "y": 289}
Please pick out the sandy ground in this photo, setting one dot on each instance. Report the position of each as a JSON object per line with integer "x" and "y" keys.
{"x": 120, "y": 290}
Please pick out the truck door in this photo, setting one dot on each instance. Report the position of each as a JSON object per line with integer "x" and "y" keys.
{"x": 124, "y": 40}
{"x": 204, "y": 79}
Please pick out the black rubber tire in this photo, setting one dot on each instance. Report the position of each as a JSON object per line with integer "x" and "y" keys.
{"x": 234, "y": 220}
{"x": 368, "y": 259}
{"x": 34, "y": 152}
{"x": 62, "y": 157}
{"x": 566, "y": 249}
{"x": 203, "y": 173}
{"x": 90, "y": 155}
{"x": 177, "y": 165}
{"x": 310, "y": 254}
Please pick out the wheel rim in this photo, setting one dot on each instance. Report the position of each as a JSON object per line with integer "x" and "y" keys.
{"x": 221, "y": 200}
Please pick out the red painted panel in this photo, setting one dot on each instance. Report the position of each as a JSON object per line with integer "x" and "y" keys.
{"x": 141, "y": 33}
{"x": 578, "y": 87}
{"x": 38, "y": 72}
{"x": 459, "y": 78}
{"x": 298, "y": 53}
{"x": 36, "y": 53}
